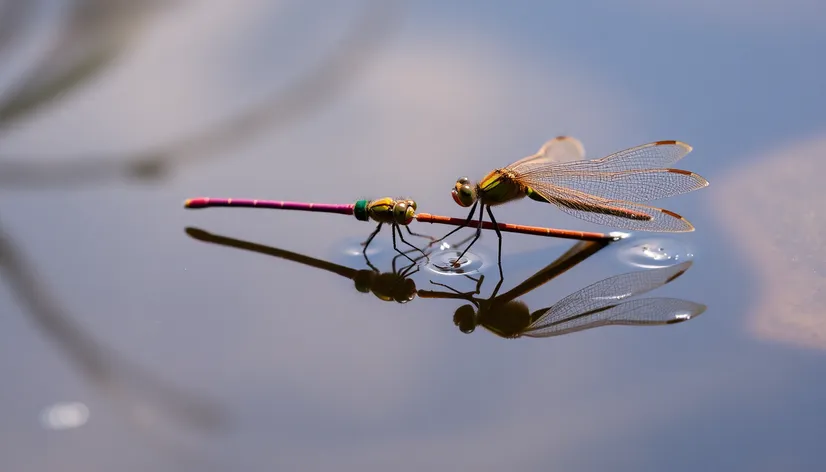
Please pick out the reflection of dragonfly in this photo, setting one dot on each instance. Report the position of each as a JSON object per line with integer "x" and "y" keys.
{"x": 599, "y": 304}
{"x": 503, "y": 314}
{"x": 603, "y": 191}
{"x": 387, "y": 286}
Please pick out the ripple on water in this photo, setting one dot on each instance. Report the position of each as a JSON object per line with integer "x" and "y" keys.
{"x": 654, "y": 252}
{"x": 352, "y": 246}
{"x": 442, "y": 260}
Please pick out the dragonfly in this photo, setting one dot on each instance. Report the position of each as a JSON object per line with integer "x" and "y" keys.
{"x": 396, "y": 212}
{"x": 397, "y": 285}
{"x": 605, "y": 191}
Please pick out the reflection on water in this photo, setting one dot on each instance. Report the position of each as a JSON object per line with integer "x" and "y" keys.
{"x": 138, "y": 393}
{"x": 782, "y": 241}
{"x": 101, "y": 25}
{"x": 66, "y": 415}
{"x": 316, "y": 376}
{"x": 84, "y": 42}
{"x": 599, "y": 304}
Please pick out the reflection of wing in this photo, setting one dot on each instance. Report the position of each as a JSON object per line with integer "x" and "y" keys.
{"x": 603, "y": 303}
{"x": 619, "y": 214}
{"x": 612, "y": 290}
{"x": 642, "y": 312}
{"x": 636, "y": 174}
{"x": 557, "y": 150}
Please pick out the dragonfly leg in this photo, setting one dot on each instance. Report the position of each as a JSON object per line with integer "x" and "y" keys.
{"x": 370, "y": 264}
{"x": 405, "y": 241}
{"x": 394, "y": 228}
{"x": 478, "y": 283}
{"x": 498, "y": 235}
{"x": 475, "y": 292}
{"x": 466, "y": 295}
{"x": 475, "y": 238}
{"x": 498, "y": 285}
{"x": 367, "y": 243}
{"x": 372, "y": 235}
{"x": 397, "y": 256}
{"x": 407, "y": 272}
{"x": 467, "y": 222}
{"x": 418, "y": 234}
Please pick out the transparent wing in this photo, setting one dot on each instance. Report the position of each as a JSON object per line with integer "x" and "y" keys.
{"x": 615, "y": 213}
{"x": 632, "y": 185}
{"x": 642, "y": 312}
{"x": 637, "y": 174}
{"x": 610, "y": 291}
{"x": 557, "y": 150}
{"x": 654, "y": 155}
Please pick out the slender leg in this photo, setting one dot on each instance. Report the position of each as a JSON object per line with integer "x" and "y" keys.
{"x": 478, "y": 283}
{"x": 498, "y": 285}
{"x": 370, "y": 264}
{"x": 367, "y": 243}
{"x": 372, "y": 235}
{"x": 397, "y": 256}
{"x": 469, "y": 295}
{"x": 499, "y": 235}
{"x": 476, "y": 238}
{"x": 407, "y": 272}
{"x": 467, "y": 222}
{"x": 394, "y": 228}
{"x": 405, "y": 241}
{"x": 419, "y": 235}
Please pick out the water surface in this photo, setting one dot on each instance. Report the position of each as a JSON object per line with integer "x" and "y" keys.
{"x": 131, "y": 344}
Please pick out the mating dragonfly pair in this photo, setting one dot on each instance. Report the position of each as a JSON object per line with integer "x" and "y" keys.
{"x": 608, "y": 191}
{"x": 611, "y": 301}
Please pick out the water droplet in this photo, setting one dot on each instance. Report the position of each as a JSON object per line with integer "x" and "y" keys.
{"x": 651, "y": 253}
{"x": 61, "y": 416}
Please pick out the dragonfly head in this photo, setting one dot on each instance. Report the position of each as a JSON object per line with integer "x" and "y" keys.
{"x": 465, "y": 318}
{"x": 464, "y": 194}
{"x": 404, "y": 212}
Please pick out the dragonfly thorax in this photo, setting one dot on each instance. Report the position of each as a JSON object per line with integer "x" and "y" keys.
{"x": 496, "y": 188}
{"x": 393, "y": 287}
{"x": 508, "y": 320}
{"x": 500, "y": 186}
{"x": 389, "y": 210}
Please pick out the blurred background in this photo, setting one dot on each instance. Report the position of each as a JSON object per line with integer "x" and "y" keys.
{"x": 127, "y": 344}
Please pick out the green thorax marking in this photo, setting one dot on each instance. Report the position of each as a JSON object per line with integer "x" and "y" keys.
{"x": 381, "y": 210}
{"x": 360, "y": 210}
{"x": 500, "y": 187}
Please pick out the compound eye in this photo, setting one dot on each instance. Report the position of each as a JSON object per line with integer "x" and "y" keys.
{"x": 463, "y": 180}
{"x": 403, "y": 214}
